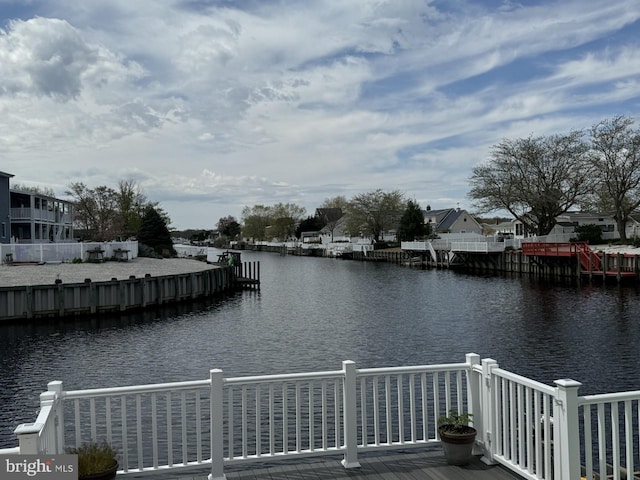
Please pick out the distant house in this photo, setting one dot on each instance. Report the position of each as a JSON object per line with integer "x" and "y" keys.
{"x": 334, "y": 228}
{"x": 568, "y": 222}
{"x": 30, "y": 217}
{"x": 451, "y": 220}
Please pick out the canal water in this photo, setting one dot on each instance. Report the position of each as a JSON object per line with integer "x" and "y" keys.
{"x": 312, "y": 313}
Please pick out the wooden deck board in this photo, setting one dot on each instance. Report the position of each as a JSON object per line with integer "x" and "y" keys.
{"x": 422, "y": 465}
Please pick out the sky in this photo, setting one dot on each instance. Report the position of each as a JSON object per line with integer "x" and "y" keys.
{"x": 214, "y": 105}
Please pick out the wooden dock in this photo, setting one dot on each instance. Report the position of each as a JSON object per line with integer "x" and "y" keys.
{"x": 415, "y": 465}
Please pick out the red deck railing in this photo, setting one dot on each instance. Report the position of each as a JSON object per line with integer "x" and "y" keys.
{"x": 589, "y": 260}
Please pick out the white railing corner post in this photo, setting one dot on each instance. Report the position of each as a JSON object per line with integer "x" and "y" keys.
{"x": 350, "y": 400}
{"x": 28, "y": 436}
{"x": 217, "y": 425}
{"x": 566, "y": 432}
{"x": 474, "y": 403}
{"x": 488, "y": 411}
{"x": 57, "y": 389}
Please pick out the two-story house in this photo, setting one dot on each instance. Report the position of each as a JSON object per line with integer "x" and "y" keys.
{"x": 32, "y": 217}
{"x": 451, "y": 220}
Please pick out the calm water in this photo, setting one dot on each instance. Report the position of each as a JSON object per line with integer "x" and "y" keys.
{"x": 312, "y": 313}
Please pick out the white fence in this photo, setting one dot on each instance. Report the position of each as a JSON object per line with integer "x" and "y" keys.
{"x": 538, "y": 431}
{"x": 64, "y": 252}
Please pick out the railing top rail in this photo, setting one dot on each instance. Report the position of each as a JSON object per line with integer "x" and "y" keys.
{"x": 527, "y": 382}
{"x": 609, "y": 397}
{"x": 132, "y": 389}
{"x": 285, "y": 377}
{"x": 444, "y": 367}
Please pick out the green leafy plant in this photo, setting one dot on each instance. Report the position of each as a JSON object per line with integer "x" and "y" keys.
{"x": 456, "y": 422}
{"x": 94, "y": 458}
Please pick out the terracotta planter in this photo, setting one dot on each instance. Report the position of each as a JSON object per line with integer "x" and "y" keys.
{"x": 106, "y": 475}
{"x": 458, "y": 447}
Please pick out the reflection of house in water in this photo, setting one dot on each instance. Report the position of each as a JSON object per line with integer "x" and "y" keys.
{"x": 30, "y": 217}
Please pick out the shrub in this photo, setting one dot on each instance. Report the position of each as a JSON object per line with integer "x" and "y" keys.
{"x": 94, "y": 458}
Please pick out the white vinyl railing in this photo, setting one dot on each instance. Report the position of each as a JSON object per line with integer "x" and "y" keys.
{"x": 538, "y": 431}
{"x": 609, "y": 433}
{"x": 63, "y": 252}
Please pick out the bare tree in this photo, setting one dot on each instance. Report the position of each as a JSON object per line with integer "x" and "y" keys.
{"x": 255, "y": 221}
{"x": 373, "y": 213}
{"x": 535, "y": 179}
{"x": 616, "y": 158}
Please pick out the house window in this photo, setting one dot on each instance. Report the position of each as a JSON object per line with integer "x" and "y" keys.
{"x": 519, "y": 229}
{"x": 4, "y": 230}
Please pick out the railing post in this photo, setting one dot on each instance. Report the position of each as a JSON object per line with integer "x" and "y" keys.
{"x": 350, "y": 459}
{"x": 56, "y": 388}
{"x": 27, "y": 434}
{"x": 488, "y": 411}
{"x": 217, "y": 421}
{"x": 473, "y": 393}
{"x": 566, "y": 433}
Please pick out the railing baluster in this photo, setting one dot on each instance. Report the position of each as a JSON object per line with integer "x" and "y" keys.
{"x": 311, "y": 419}
{"x": 154, "y": 429}
{"x": 139, "y": 430}
{"x": 169, "y": 431}
{"x": 387, "y": 386}
{"x": 412, "y": 406}
{"x": 258, "y": 419}
{"x": 244, "y": 422}
{"x": 198, "y": 412}
{"x": 588, "y": 450}
{"x": 400, "y": 388}
{"x": 436, "y": 401}
{"x": 298, "y": 419}
{"x": 376, "y": 410}
{"x": 324, "y": 414}
{"x": 92, "y": 417}
{"x": 76, "y": 405}
{"x": 107, "y": 414}
{"x": 425, "y": 413}
{"x": 272, "y": 420}
{"x": 125, "y": 433}
{"x": 285, "y": 419}
{"x": 363, "y": 410}
{"x": 602, "y": 452}
{"x": 615, "y": 440}
{"x": 231, "y": 430}
{"x": 183, "y": 415}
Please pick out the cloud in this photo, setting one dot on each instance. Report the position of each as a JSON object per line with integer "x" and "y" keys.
{"x": 224, "y": 104}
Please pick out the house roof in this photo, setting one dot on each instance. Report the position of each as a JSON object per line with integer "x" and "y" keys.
{"x": 330, "y": 214}
{"x": 445, "y": 218}
{"x": 5, "y": 174}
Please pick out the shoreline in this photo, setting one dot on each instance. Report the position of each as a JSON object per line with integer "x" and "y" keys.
{"x": 16, "y": 275}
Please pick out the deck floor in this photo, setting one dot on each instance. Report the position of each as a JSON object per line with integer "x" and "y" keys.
{"x": 422, "y": 465}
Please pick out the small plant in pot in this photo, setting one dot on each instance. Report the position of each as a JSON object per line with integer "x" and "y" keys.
{"x": 457, "y": 437}
{"x": 96, "y": 461}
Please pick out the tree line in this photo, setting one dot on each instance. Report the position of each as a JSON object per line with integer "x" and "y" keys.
{"x": 104, "y": 214}
{"x": 538, "y": 178}
{"x": 367, "y": 214}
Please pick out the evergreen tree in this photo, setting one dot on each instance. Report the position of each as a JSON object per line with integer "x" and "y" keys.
{"x": 155, "y": 234}
{"x": 412, "y": 226}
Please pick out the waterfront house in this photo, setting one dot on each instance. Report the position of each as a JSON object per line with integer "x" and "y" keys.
{"x": 451, "y": 220}
{"x": 32, "y": 217}
{"x": 39, "y": 218}
{"x": 566, "y": 225}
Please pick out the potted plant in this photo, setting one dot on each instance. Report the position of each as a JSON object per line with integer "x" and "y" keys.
{"x": 457, "y": 437}
{"x": 96, "y": 461}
